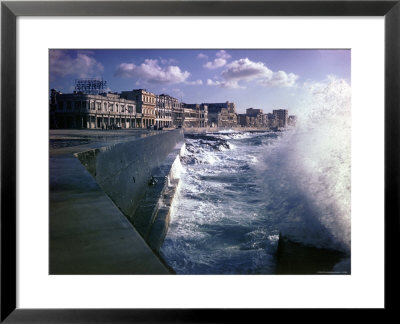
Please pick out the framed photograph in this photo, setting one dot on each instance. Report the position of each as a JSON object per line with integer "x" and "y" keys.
{"x": 190, "y": 161}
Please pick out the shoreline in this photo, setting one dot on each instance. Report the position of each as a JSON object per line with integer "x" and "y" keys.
{"x": 190, "y": 130}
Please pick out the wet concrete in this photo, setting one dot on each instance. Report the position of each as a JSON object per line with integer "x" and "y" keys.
{"x": 88, "y": 233}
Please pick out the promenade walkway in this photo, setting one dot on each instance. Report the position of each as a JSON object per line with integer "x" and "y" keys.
{"x": 88, "y": 233}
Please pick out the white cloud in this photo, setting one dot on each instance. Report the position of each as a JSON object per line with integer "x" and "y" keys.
{"x": 280, "y": 79}
{"x": 197, "y": 82}
{"x": 62, "y": 63}
{"x": 213, "y": 83}
{"x": 245, "y": 70}
{"x": 202, "y": 56}
{"x": 222, "y": 54}
{"x": 220, "y": 61}
{"x": 125, "y": 70}
{"x": 150, "y": 72}
{"x": 217, "y": 63}
{"x": 224, "y": 84}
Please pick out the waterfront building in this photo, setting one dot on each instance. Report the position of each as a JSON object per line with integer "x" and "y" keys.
{"x": 196, "y": 115}
{"x": 253, "y": 121}
{"x": 81, "y": 110}
{"x": 253, "y": 112}
{"x": 225, "y": 118}
{"x": 243, "y": 120}
{"x": 282, "y": 116}
{"x": 265, "y": 120}
{"x": 140, "y": 108}
{"x": 145, "y": 104}
{"x": 258, "y": 117}
{"x": 165, "y": 105}
{"x": 273, "y": 122}
{"x": 178, "y": 115}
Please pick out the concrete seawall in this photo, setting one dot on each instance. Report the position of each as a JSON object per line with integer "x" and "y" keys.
{"x": 124, "y": 171}
{"x": 96, "y": 190}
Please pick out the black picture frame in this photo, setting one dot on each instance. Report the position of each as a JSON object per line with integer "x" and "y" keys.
{"x": 10, "y": 10}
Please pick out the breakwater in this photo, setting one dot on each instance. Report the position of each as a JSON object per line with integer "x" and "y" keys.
{"x": 106, "y": 192}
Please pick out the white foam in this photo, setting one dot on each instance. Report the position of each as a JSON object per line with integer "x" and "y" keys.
{"x": 315, "y": 163}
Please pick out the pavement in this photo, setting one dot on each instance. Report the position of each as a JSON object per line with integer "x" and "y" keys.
{"x": 88, "y": 233}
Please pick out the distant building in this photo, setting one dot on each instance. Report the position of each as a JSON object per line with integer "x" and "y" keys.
{"x": 256, "y": 116}
{"x": 165, "y": 105}
{"x": 264, "y": 118}
{"x": 178, "y": 114}
{"x": 253, "y": 112}
{"x": 195, "y": 115}
{"x": 243, "y": 120}
{"x": 282, "y": 116}
{"x": 140, "y": 108}
{"x": 222, "y": 114}
{"x": 272, "y": 121}
{"x": 145, "y": 103}
{"x": 253, "y": 121}
{"x": 80, "y": 110}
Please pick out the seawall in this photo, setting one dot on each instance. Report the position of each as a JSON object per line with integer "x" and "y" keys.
{"x": 101, "y": 194}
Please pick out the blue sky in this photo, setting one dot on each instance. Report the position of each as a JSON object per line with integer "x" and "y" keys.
{"x": 267, "y": 79}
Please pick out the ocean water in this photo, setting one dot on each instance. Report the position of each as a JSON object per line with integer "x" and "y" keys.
{"x": 239, "y": 190}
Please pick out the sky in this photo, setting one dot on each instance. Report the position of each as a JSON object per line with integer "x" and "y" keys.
{"x": 266, "y": 79}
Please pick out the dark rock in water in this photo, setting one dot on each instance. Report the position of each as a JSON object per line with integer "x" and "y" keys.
{"x": 206, "y": 137}
{"x": 211, "y": 141}
{"x": 217, "y": 145}
{"x": 294, "y": 258}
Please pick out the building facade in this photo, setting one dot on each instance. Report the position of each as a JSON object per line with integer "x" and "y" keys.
{"x": 79, "y": 110}
{"x": 272, "y": 121}
{"x": 140, "y": 108}
{"x": 282, "y": 115}
{"x": 222, "y": 114}
{"x": 164, "y": 110}
{"x": 243, "y": 120}
{"x": 145, "y": 104}
{"x": 253, "y": 112}
{"x": 178, "y": 114}
{"x": 195, "y": 115}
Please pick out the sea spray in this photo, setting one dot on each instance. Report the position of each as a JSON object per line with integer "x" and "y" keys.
{"x": 314, "y": 178}
{"x": 176, "y": 168}
{"x": 240, "y": 190}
